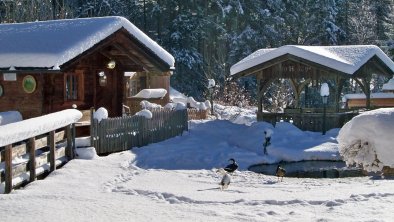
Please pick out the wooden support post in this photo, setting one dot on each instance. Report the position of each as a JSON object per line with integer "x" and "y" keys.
{"x": 32, "y": 158}
{"x": 8, "y": 168}
{"x": 52, "y": 153}
{"x": 91, "y": 127}
{"x": 74, "y": 152}
{"x": 69, "y": 149}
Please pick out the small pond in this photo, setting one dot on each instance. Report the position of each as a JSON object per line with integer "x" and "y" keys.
{"x": 310, "y": 169}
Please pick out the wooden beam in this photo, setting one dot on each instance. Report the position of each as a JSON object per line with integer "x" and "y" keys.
{"x": 32, "y": 158}
{"x": 69, "y": 148}
{"x": 52, "y": 154}
{"x": 8, "y": 169}
{"x": 137, "y": 46}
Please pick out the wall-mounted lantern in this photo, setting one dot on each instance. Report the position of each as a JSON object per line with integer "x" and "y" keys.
{"x": 102, "y": 78}
{"x": 111, "y": 64}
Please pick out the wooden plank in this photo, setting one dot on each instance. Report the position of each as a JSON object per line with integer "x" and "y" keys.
{"x": 69, "y": 151}
{"x": 59, "y": 136}
{"x": 19, "y": 150}
{"x": 32, "y": 158}
{"x": 42, "y": 142}
{"x": 42, "y": 159}
{"x": 8, "y": 169}
{"x": 52, "y": 155}
{"x": 19, "y": 169}
{"x": 60, "y": 152}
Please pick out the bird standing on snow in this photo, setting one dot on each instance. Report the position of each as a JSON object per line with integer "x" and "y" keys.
{"x": 225, "y": 180}
{"x": 232, "y": 166}
{"x": 280, "y": 172}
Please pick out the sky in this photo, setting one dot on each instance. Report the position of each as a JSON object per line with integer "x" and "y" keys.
{"x": 176, "y": 180}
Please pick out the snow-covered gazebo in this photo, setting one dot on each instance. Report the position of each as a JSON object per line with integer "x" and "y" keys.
{"x": 307, "y": 67}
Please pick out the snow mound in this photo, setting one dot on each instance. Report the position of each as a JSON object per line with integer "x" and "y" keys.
{"x": 10, "y": 117}
{"x": 151, "y": 93}
{"x": 145, "y": 113}
{"x": 367, "y": 140}
{"x": 87, "y": 153}
{"x": 101, "y": 113}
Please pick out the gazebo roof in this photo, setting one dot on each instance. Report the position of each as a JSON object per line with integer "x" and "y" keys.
{"x": 50, "y": 44}
{"x": 345, "y": 59}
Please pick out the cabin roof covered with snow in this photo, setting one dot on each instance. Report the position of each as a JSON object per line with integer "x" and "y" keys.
{"x": 50, "y": 44}
{"x": 344, "y": 59}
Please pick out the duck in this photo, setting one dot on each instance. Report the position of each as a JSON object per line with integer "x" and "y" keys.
{"x": 232, "y": 166}
{"x": 280, "y": 172}
{"x": 226, "y": 179}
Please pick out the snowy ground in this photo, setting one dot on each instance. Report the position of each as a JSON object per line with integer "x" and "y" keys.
{"x": 176, "y": 180}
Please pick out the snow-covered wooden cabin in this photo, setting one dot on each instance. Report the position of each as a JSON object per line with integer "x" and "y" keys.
{"x": 90, "y": 62}
{"x": 306, "y": 68}
{"x": 378, "y": 100}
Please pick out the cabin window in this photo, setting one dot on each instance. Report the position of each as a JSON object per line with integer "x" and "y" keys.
{"x": 73, "y": 86}
{"x": 132, "y": 86}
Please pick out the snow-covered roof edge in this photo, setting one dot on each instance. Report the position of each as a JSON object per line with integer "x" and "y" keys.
{"x": 133, "y": 30}
{"x": 93, "y": 31}
{"x": 317, "y": 54}
{"x": 18, "y": 131}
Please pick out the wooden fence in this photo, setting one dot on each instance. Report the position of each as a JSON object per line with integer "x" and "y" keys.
{"x": 308, "y": 121}
{"x": 36, "y": 156}
{"x": 122, "y": 133}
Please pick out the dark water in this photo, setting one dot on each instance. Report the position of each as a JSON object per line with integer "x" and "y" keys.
{"x": 310, "y": 169}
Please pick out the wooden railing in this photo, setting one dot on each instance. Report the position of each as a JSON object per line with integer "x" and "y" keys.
{"x": 122, "y": 133}
{"x": 35, "y": 156}
{"x": 308, "y": 121}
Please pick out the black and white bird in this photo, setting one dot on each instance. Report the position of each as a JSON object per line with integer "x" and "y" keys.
{"x": 280, "y": 172}
{"x": 232, "y": 166}
{"x": 226, "y": 179}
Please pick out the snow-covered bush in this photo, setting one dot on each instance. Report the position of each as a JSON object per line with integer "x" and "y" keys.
{"x": 367, "y": 140}
{"x": 148, "y": 105}
{"x": 101, "y": 113}
{"x": 10, "y": 117}
{"x": 232, "y": 95}
{"x": 145, "y": 113}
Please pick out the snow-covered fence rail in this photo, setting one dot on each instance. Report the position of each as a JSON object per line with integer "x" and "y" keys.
{"x": 122, "y": 133}
{"x": 34, "y": 146}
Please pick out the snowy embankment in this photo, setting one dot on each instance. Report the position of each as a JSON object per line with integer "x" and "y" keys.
{"x": 176, "y": 180}
{"x": 367, "y": 140}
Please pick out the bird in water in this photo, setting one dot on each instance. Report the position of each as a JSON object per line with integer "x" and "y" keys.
{"x": 226, "y": 179}
{"x": 280, "y": 172}
{"x": 232, "y": 166}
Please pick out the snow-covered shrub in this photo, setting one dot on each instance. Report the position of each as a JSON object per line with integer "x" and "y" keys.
{"x": 145, "y": 113}
{"x": 148, "y": 105}
{"x": 232, "y": 95}
{"x": 10, "y": 117}
{"x": 101, "y": 113}
{"x": 180, "y": 106}
{"x": 367, "y": 140}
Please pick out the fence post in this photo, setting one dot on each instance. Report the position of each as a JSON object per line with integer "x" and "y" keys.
{"x": 32, "y": 158}
{"x": 91, "y": 127}
{"x": 8, "y": 168}
{"x": 52, "y": 151}
{"x": 69, "y": 148}
{"x": 74, "y": 147}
